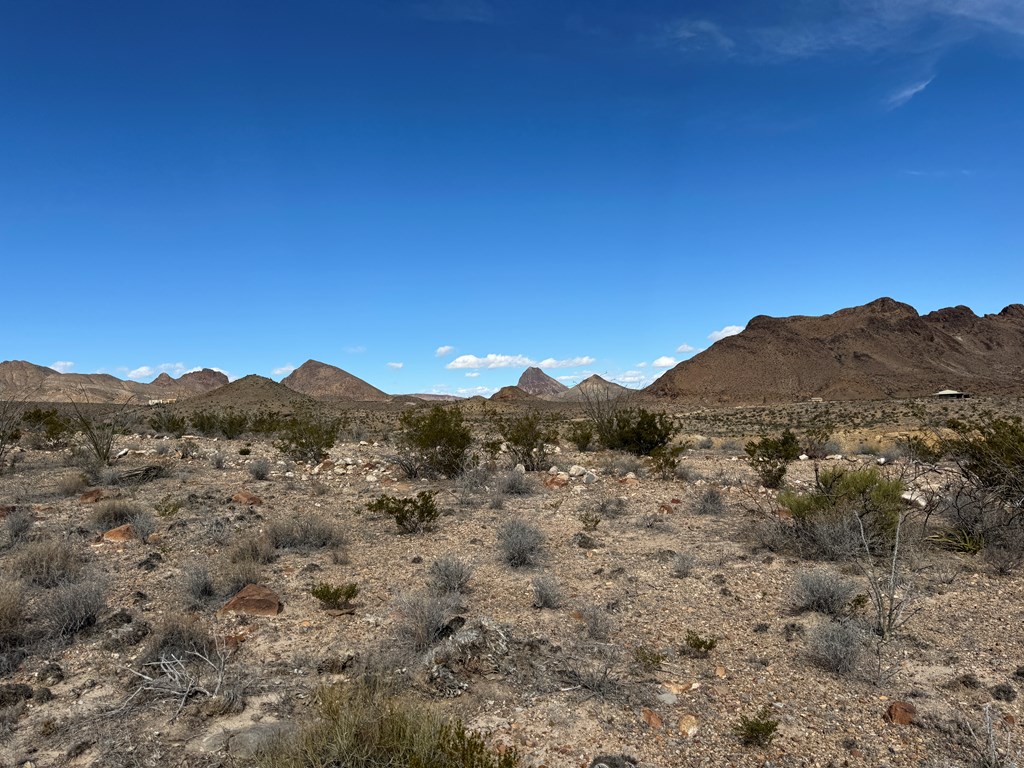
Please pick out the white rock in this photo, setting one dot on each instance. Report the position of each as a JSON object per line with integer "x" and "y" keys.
{"x": 834, "y": 457}
{"x": 363, "y": 442}
{"x": 804, "y": 457}
{"x": 520, "y": 469}
{"x": 589, "y": 478}
{"x": 553, "y": 470}
{"x": 577, "y": 471}
{"x": 630, "y": 476}
{"x": 371, "y": 478}
{"x": 289, "y": 474}
{"x": 880, "y": 460}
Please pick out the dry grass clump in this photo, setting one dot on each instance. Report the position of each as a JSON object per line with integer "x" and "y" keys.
{"x": 598, "y": 623}
{"x": 836, "y": 646}
{"x": 450, "y": 575}
{"x": 71, "y": 607}
{"x": 259, "y": 469}
{"x": 304, "y": 534}
{"x": 253, "y": 549}
{"x": 177, "y": 638}
{"x": 238, "y": 574}
{"x": 521, "y": 543}
{"x": 71, "y": 485}
{"x": 516, "y": 484}
{"x": 13, "y": 625}
{"x": 18, "y": 524}
{"x": 710, "y": 502}
{"x": 547, "y": 592}
{"x": 47, "y": 562}
{"x": 683, "y": 565}
{"x": 198, "y": 585}
{"x": 114, "y": 512}
{"x": 423, "y": 618}
{"x": 823, "y": 591}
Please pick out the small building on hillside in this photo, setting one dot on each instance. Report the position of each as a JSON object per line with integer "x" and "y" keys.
{"x": 951, "y": 394}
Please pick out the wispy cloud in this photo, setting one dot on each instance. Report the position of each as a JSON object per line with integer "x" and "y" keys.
{"x": 515, "y": 361}
{"x": 729, "y": 330}
{"x": 62, "y": 366}
{"x": 665, "y": 362}
{"x": 472, "y": 374}
{"x": 684, "y": 349}
{"x": 698, "y": 35}
{"x": 358, "y": 349}
{"x": 472, "y": 391}
{"x": 396, "y": 366}
{"x": 282, "y": 370}
{"x": 443, "y": 351}
{"x": 903, "y": 95}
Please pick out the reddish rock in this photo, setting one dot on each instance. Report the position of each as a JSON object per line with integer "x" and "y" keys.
{"x": 246, "y": 498}
{"x": 98, "y": 494}
{"x": 557, "y": 481}
{"x": 124, "y": 532}
{"x": 652, "y": 718}
{"x": 900, "y": 713}
{"x": 254, "y": 600}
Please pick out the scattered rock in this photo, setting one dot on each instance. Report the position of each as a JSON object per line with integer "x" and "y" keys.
{"x": 652, "y": 718}
{"x": 688, "y": 725}
{"x": 122, "y": 533}
{"x": 589, "y": 478}
{"x": 900, "y": 713}
{"x": 98, "y": 494}
{"x": 613, "y": 761}
{"x": 247, "y": 499}
{"x": 577, "y": 471}
{"x": 253, "y": 600}
{"x": 558, "y": 480}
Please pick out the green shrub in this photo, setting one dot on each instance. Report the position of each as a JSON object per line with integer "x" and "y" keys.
{"x": 990, "y": 454}
{"x": 54, "y": 430}
{"x": 164, "y": 422}
{"x": 526, "y": 440}
{"x": 637, "y": 431}
{"x": 266, "y": 423}
{"x": 770, "y": 456}
{"x": 232, "y": 423}
{"x": 205, "y": 423}
{"x": 757, "y": 731}
{"x": 335, "y": 596}
{"x": 436, "y": 440}
{"x": 359, "y": 726}
{"x": 650, "y": 659}
{"x": 580, "y": 434}
{"x": 700, "y": 647}
{"x": 308, "y": 435}
{"x": 411, "y": 515}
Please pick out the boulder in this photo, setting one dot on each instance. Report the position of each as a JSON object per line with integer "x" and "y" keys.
{"x": 254, "y": 600}
{"x": 246, "y": 498}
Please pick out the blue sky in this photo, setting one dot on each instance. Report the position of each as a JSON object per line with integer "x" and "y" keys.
{"x": 434, "y": 194}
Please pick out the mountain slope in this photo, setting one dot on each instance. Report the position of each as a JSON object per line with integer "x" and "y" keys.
{"x": 535, "y": 382}
{"x": 327, "y": 382}
{"x": 879, "y": 350}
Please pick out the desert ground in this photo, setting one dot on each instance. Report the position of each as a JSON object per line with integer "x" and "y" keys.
{"x": 659, "y": 609}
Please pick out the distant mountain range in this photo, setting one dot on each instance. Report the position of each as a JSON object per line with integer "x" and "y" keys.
{"x": 884, "y": 349}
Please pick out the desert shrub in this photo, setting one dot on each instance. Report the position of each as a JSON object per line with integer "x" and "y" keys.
{"x": 266, "y": 423}
{"x": 622, "y": 464}
{"x": 245, "y": 450}
{"x": 665, "y": 462}
{"x": 516, "y": 484}
{"x": 697, "y": 646}
{"x": 589, "y": 520}
{"x": 69, "y": 485}
{"x": 101, "y": 431}
{"x": 917, "y": 448}
{"x": 360, "y": 726}
{"x": 308, "y": 435}
{"x": 823, "y": 591}
{"x": 612, "y": 507}
{"x": 165, "y": 422}
{"x": 189, "y": 449}
{"x": 526, "y": 439}
{"x": 817, "y": 439}
{"x": 521, "y": 544}
{"x": 649, "y": 659}
{"x": 13, "y": 619}
{"x": 239, "y": 573}
{"x": 47, "y": 562}
{"x": 683, "y": 564}
{"x": 759, "y": 730}
{"x": 436, "y": 440}
{"x": 305, "y": 534}
{"x": 71, "y": 607}
{"x": 18, "y": 524}
{"x": 205, "y": 423}
{"x": 449, "y": 574}
{"x": 637, "y": 431}
{"x": 255, "y": 549}
{"x": 411, "y": 515}
{"x": 50, "y": 428}
{"x": 217, "y": 459}
{"x": 177, "y": 638}
{"x": 596, "y": 621}
{"x": 335, "y": 596}
{"x": 846, "y": 499}
{"x": 836, "y": 646}
{"x": 547, "y": 592}
{"x": 232, "y": 423}
{"x": 423, "y": 618}
{"x": 710, "y": 502}
{"x": 197, "y": 585}
{"x": 259, "y": 469}
{"x": 770, "y": 456}
{"x": 580, "y": 434}
{"x": 111, "y": 513}
{"x": 705, "y": 444}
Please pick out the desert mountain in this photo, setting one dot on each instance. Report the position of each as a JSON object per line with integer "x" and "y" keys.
{"x": 535, "y": 382}
{"x": 594, "y": 387}
{"x": 880, "y": 350}
{"x": 252, "y": 392}
{"x": 326, "y": 382}
{"x": 515, "y": 394}
{"x": 38, "y": 383}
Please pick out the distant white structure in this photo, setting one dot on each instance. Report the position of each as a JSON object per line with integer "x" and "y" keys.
{"x": 164, "y": 401}
{"x": 951, "y": 394}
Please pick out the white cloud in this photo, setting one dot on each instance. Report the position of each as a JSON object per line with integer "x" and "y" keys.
{"x": 62, "y": 366}
{"x": 641, "y": 364}
{"x": 472, "y": 374}
{"x": 729, "y": 330}
{"x": 664, "y": 362}
{"x": 444, "y": 350}
{"x": 572, "y": 362}
{"x": 902, "y": 96}
{"x": 473, "y": 391}
{"x": 685, "y": 348}
{"x": 516, "y": 361}
{"x": 283, "y": 370}
{"x": 632, "y": 379}
{"x": 396, "y": 366}
{"x": 489, "y": 361}
{"x": 142, "y": 372}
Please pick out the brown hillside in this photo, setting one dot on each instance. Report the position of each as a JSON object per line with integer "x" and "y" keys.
{"x": 594, "y": 386}
{"x": 511, "y": 394}
{"x": 327, "y": 382}
{"x": 880, "y": 350}
{"x": 252, "y": 392}
{"x": 535, "y": 382}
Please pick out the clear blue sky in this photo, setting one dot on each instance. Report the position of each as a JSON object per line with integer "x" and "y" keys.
{"x": 599, "y": 185}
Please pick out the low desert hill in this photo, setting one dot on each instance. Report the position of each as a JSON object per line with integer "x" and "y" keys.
{"x": 252, "y": 392}
{"x": 42, "y": 384}
{"x": 327, "y": 382}
{"x": 512, "y": 394}
{"x": 880, "y": 350}
{"x": 535, "y": 382}
{"x": 594, "y": 387}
